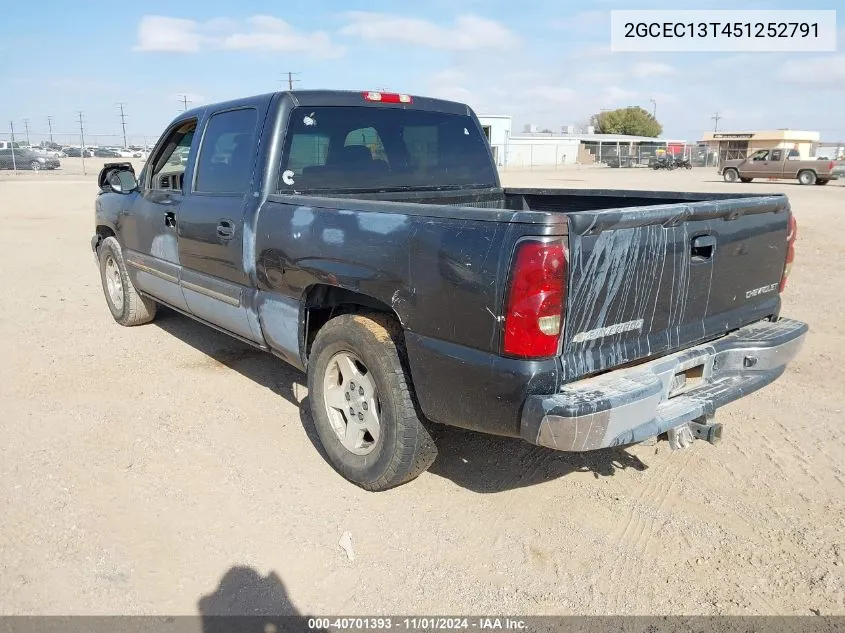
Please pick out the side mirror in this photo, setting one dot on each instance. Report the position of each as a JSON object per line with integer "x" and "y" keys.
{"x": 122, "y": 181}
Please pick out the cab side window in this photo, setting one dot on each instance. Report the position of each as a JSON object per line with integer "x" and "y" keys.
{"x": 227, "y": 154}
{"x": 168, "y": 165}
{"x": 777, "y": 155}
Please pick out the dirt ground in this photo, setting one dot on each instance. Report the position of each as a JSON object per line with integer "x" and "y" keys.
{"x": 168, "y": 469}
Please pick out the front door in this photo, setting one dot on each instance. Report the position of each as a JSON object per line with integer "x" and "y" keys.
{"x": 148, "y": 229}
{"x": 211, "y": 222}
{"x": 757, "y": 166}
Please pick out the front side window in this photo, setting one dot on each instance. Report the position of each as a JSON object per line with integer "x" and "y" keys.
{"x": 761, "y": 155}
{"x": 168, "y": 165}
{"x": 349, "y": 148}
{"x": 228, "y": 152}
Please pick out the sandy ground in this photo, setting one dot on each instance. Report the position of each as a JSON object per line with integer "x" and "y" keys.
{"x": 167, "y": 469}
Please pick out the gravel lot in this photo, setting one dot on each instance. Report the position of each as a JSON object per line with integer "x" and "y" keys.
{"x": 168, "y": 469}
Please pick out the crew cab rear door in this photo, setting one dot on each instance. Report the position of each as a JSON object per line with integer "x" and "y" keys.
{"x": 211, "y": 221}
{"x": 654, "y": 280}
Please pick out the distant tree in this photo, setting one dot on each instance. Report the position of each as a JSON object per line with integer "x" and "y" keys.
{"x": 546, "y": 130}
{"x": 632, "y": 120}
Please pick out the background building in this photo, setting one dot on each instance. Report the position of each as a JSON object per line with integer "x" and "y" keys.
{"x": 731, "y": 145}
{"x": 534, "y": 148}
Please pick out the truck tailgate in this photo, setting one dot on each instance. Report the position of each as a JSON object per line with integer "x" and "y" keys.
{"x": 649, "y": 281}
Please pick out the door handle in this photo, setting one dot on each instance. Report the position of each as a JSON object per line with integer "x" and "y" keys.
{"x": 703, "y": 247}
{"x": 226, "y": 228}
{"x": 169, "y": 219}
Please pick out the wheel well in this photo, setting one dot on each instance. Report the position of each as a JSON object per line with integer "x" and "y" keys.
{"x": 809, "y": 169}
{"x": 323, "y": 303}
{"x": 103, "y": 232}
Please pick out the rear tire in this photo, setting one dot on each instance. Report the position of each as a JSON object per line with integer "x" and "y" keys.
{"x": 127, "y": 306}
{"x": 362, "y": 404}
{"x": 35, "y": 165}
{"x": 731, "y": 175}
{"x": 807, "y": 177}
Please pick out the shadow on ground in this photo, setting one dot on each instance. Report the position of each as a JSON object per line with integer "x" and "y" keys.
{"x": 247, "y": 602}
{"x": 475, "y": 461}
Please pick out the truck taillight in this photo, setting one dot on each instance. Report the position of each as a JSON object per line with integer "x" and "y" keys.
{"x": 536, "y": 298}
{"x": 388, "y": 97}
{"x": 791, "y": 236}
{"x": 831, "y": 165}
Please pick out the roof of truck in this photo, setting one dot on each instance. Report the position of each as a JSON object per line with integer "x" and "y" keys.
{"x": 341, "y": 98}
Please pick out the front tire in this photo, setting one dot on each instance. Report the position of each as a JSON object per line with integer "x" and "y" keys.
{"x": 807, "y": 178}
{"x": 127, "y": 306}
{"x": 731, "y": 175}
{"x": 362, "y": 404}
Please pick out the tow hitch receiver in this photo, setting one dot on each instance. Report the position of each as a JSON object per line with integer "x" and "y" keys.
{"x": 701, "y": 429}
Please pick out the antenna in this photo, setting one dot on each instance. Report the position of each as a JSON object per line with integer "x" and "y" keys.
{"x": 185, "y": 101}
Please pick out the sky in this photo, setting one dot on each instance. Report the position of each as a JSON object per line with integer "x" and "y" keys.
{"x": 542, "y": 61}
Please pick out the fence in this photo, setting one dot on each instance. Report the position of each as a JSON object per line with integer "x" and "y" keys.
{"x": 554, "y": 155}
{"x": 73, "y": 139}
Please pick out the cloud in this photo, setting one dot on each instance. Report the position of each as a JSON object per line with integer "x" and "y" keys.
{"x": 583, "y": 21}
{"x": 158, "y": 33}
{"x": 468, "y": 32}
{"x": 826, "y": 72}
{"x": 651, "y": 69}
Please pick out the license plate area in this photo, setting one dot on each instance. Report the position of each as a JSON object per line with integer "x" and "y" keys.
{"x": 686, "y": 380}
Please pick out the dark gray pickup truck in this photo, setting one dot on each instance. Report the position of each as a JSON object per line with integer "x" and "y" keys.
{"x": 365, "y": 238}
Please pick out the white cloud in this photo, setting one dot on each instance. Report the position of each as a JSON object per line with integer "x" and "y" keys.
{"x": 469, "y": 32}
{"x": 583, "y": 21}
{"x": 158, "y": 33}
{"x": 821, "y": 72}
{"x": 614, "y": 95}
{"x": 651, "y": 69}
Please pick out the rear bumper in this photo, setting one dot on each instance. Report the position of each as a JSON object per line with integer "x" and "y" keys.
{"x": 633, "y": 404}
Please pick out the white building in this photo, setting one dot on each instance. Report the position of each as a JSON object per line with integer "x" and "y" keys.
{"x": 525, "y": 149}
{"x": 497, "y": 127}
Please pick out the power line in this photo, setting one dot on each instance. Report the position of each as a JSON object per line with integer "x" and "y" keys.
{"x": 123, "y": 123}
{"x": 82, "y": 139}
{"x": 50, "y": 125}
{"x": 26, "y": 127}
{"x": 716, "y": 118}
{"x": 185, "y": 102}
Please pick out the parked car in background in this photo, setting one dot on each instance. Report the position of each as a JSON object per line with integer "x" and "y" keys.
{"x": 26, "y": 159}
{"x": 76, "y": 152}
{"x": 781, "y": 163}
{"x": 49, "y": 151}
{"x": 105, "y": 152}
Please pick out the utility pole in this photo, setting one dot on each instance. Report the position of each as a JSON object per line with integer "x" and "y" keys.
{"x": 50, "y": 126}
{"x": 26, "y": 127}
{"x": 123, "y": 122}
{"x": 291, "y": 80}
{"x": 654, "y": 109}
{"x": 82, "y": 139}
{"x": 185, "y": 102}
{"x": 14, "y": 163}
{"x": 716, "y": 118}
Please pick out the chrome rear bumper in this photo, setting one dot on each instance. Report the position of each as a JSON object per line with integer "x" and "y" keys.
{"x": 633, "y": 404}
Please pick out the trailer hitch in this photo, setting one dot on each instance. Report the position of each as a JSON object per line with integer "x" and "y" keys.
{"x": 699, "y": 429}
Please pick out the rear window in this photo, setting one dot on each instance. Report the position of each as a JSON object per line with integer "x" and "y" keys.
{"x": 366, "y": 148}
